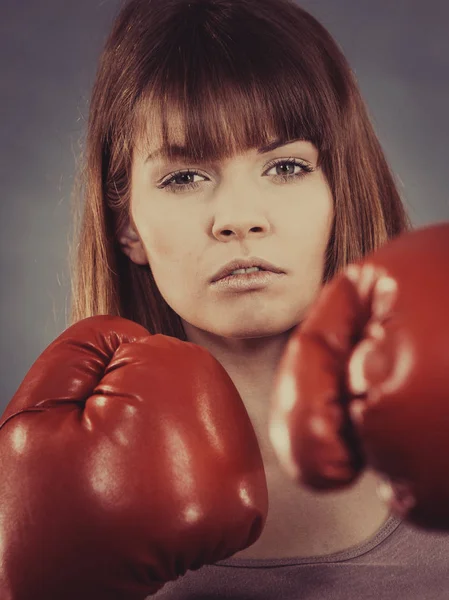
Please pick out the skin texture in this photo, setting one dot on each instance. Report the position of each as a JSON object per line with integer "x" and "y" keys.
{"x": 239, "y": 208}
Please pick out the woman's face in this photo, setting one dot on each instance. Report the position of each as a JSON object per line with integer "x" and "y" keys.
{"x": 193, "y": 218}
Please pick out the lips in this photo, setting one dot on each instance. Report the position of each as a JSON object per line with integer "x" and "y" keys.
{"x": 245, "y": 263}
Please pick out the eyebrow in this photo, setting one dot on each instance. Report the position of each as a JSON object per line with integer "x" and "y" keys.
{"x": 177, "y": 151}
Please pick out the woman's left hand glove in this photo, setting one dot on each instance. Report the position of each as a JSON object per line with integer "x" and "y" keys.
{"x": 364, "y": 380}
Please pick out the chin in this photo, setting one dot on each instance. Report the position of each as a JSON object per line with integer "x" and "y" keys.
{"x": 251, "y": 330}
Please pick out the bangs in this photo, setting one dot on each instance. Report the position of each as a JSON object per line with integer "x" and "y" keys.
{"x": 217, "y": 89}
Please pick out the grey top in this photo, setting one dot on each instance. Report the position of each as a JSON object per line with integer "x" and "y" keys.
{"x": 399, "y": 562}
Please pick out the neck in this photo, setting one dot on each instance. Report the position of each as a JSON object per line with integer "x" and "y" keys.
{"x": 251, "y": 364}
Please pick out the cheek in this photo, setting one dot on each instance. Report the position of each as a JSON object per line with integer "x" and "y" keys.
{"x": 312, "y": 223}
{"x": 162, "y": 237}
{"x": 159, "y": 246}
{"x": 309, "y": 230}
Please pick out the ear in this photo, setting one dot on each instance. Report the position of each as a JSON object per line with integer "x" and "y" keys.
{"x": 132, "y": 246}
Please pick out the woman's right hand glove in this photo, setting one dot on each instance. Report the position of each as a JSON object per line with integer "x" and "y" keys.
{"x": 126, "y": 459}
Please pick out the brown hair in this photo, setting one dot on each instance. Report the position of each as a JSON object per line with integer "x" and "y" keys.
{"x": 236, "y": 73}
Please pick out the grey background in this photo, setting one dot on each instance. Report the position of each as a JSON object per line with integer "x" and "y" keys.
{"x": 48, "y": 56}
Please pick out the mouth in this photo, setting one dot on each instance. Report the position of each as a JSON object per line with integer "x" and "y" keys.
{"x": 245, "y": 268}
{"x": 247, "y": 280}
{"x": 253, "y": 273}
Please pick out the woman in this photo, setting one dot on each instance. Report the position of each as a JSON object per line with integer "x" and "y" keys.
{"x": 225, "y": 131}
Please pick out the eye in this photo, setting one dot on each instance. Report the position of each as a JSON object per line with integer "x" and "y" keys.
{"x": 183, "y": 181}
{"x": 288, "y": 167}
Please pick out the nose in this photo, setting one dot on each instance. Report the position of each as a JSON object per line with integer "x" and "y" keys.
{"x": 239, "y": 220}
{"x": 239, "y": 231}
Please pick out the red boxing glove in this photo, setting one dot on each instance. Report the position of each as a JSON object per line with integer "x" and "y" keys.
{"x": 364, "y": 380}
{"x": 126, "y": 459}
